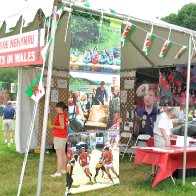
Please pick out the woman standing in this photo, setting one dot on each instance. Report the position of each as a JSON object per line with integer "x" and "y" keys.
{"x": 60, "y": 134}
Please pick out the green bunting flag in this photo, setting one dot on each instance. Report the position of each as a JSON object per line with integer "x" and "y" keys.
{"x": 181, "y": 52}
{"x": 148, "y": 43}
{"x": 112, "y": 11}
{"x": 45, "y": 50}
{"x": 85, "y": 3}
{"x": 128, "y": 31}
{"x": 165, "y": 49}
{"x": 1, "y": 85}
{"x": 13, "y": 88}
{"x": 36, "y": 89}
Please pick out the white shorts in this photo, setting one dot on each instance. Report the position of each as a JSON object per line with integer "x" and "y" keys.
{"x": 85, "y": 167}
{"x": 108, "y": 165}
{"x": 8, "y": 124}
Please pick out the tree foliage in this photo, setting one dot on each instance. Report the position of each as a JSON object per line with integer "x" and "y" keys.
{"x": 9, "y": 75}
{"x": 84, "y": 30}
{"x": 186, "y": 17}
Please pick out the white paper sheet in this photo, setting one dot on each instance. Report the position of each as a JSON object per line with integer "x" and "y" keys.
{"x": 54, "y": 96}
{"x": 129, "y": 84}
{"x": 180, "y": 141}
{"x": 123, "y": 96}
{"x": 62, "y": 84}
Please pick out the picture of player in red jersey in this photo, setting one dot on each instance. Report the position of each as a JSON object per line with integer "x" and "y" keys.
{"x": 108, "y": 159}
{"x": 84, "y": 162}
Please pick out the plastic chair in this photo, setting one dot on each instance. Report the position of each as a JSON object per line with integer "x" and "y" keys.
{"x": 123, "y": 147}
{"x": 141, "y": 137}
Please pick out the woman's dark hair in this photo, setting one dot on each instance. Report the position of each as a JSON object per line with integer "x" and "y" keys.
{"x": 73, "y": 95}
{"x": 62, "y": 105}
{"x": 66, "y": 146}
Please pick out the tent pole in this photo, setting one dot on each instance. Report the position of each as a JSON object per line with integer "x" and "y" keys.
{"x": 187, "y": 111}
{"x": 47, "y": 100}
{"x": 18, "y": 111}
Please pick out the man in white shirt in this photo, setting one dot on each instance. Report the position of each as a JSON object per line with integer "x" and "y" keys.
{"x": 162, "y": 130}
{"x": 163, "y": 125}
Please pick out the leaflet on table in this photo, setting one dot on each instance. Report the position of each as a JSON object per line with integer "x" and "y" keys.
{"x": 162, "y": 150}
{"x": 191, "y": 148}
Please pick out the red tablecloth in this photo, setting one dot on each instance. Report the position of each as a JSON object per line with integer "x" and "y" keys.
{"x": 150, "y": 142}
{"x": 167, "y": 161}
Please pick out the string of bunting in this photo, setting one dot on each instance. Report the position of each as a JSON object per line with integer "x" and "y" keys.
{"x": 36, "y": 90}
{"x": 149, "y": 40}
{"x": 194, "y": 48}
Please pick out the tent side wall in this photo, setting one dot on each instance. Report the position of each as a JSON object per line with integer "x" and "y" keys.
{"x": 24, "y": 111}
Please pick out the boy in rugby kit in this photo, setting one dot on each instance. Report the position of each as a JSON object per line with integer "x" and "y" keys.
{"x": 108, "y": 158}
{"x": 84, "y": 162}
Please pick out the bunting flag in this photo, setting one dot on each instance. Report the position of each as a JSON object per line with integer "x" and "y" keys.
{"x": 142, "y": 89}
{"x": 60, "y": 11}
{"x": 181, "y": 52}
{"x": 148, "y": 43}
{"x": 112, "y": 11}
{"x": 165, "y": 49}
{"x": 36, "y": 89}
{"x": 13, "y": 88}
{"x": 128, "y": 31}
{"x": 86, "y": 3}
{"x": 45, "y": 50}
{"x": 48, "y": 21}
{"x": 1, "y": 85}
{"x": 194, "y": 55}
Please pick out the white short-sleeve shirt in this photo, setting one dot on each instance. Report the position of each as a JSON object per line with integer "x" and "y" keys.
{"x": 163, "y": 121}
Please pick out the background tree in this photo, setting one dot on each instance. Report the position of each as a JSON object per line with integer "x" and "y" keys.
{"x": 84, "y": 29}
{"x": 186, "y": 17}
{"x": 9, "y": 75}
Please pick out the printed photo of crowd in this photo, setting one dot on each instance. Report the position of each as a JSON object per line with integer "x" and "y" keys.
{"x": 95, "y": 106}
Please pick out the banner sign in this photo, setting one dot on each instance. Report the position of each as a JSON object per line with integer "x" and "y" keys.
{"x": 22, "y": 49}
{"x": 94, "y": 74}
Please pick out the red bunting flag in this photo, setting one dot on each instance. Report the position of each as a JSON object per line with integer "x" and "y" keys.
{"x": 128, "y": 31}
{"x": 165, "y": 49}
{"x": 148, "y": 43}
{"x": 181, "y": 52}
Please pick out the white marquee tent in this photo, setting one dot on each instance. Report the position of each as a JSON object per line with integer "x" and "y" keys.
{"x": 132, "y": 55}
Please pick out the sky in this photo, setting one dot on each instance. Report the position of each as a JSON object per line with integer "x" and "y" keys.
{"x": 145, "y": 9}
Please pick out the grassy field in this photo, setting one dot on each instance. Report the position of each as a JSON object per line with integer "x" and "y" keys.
{"x": 133, "y": 178}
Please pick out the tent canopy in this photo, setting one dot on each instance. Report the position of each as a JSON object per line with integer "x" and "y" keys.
{"x": 131, "y": 54}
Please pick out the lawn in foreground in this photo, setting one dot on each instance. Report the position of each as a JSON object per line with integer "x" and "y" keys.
{"x": 133, "y": 178}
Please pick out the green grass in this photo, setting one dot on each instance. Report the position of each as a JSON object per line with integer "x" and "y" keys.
{"x": 133, "y": 178}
